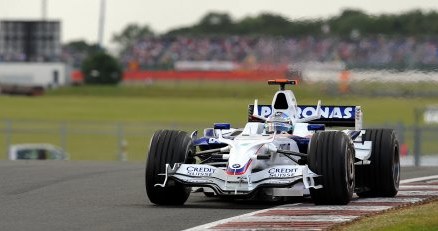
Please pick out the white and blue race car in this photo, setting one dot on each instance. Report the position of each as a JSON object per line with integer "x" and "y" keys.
{"x": 285, "y": 150}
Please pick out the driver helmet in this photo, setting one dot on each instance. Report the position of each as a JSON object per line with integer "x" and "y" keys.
{"x": 278, "y": 123}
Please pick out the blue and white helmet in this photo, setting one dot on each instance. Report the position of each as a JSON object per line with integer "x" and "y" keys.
{"x": 280, "y": 122}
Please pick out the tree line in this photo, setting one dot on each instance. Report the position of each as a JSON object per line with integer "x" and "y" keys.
{"x": 350, "y": 23}
{"x": 410, "y": 23}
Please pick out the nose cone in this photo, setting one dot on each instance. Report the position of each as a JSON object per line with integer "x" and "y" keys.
{"x": 243, "y": 153}
{"x": 238, "y": 167}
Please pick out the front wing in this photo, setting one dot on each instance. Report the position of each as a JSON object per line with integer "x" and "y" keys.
{"x": 279, "y": 176}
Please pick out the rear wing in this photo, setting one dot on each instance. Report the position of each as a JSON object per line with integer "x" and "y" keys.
{"x": 331, "y": 116}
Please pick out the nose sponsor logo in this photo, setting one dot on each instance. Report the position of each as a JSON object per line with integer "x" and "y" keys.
{"x": 235, "y": 166}
{"x": 282, "y": 172}
{"x": 200, "y": 171}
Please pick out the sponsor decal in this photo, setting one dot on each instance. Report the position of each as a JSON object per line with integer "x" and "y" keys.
{"x": 235, "y": 166}
{"x": 265, "y": 111}
{"x": 327, "y": 112}
{"x": 240, "y": 170}
{"x": 200, "y": 171}
{"x": 282, "y": 172}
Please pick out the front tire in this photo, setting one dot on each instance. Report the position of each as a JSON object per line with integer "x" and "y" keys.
{"x": 331, "y": 155}
{"x": 381, "y": 178}
{"x": 167, "y": 147}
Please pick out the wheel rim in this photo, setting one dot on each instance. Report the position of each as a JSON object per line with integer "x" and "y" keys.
{"x": 350, "y": 169}
{"x": 396, "y": 168}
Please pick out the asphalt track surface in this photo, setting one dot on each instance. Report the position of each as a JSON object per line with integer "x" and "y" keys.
{"x": 57, "y": 195}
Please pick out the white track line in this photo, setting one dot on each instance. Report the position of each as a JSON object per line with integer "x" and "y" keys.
{"x": 417, "y": 187}
{"x": 390, "y": 199}
{"x": 419, "y": 179}
{"x": 333, "y": 207}
{"x": 312, "y": 218}
{"x": 417, "y": 193}
{"x": 249, "y": 216}
{"x": 223, "y": 221}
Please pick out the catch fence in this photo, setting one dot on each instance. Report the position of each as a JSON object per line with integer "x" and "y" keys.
{"x": 130, "y": 141}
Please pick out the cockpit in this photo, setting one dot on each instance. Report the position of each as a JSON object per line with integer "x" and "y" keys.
{"x": 278, "y": 123}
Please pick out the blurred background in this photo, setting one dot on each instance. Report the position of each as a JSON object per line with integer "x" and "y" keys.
{"x": 96, "y": 78}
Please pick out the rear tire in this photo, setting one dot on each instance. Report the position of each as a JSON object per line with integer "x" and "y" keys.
{"x": 209, "y": 194}
{"x": 167, "y": 147}
{"x": 331, "y": 155}
{"x": 381, "y": 178}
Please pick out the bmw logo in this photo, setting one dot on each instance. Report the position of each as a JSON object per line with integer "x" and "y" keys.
{"x": 235, "y": 166}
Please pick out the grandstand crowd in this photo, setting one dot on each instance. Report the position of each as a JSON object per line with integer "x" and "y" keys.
{"x": 163, "y": 52}
{"x": 152, "y": 53}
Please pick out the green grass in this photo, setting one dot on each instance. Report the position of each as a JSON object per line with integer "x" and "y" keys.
{"x": 187, "y": 110}
{"x": 144, "y": 109}
{"x": 123, "y": 109}
{"x": 423, "y": 217}
{"x": 193, "y": 102}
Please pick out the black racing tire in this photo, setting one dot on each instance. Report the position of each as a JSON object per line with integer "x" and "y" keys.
{"x": 209, "y": 194}
{"x": 331, "y": 155}
{"x": 167, "y": 147}
{"x": 381, "y": 178}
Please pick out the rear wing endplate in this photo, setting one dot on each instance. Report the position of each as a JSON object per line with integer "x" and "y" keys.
{"x": 331, "y": 116}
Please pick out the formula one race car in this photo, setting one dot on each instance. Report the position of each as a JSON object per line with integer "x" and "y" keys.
{"x": 284, "y": 150}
